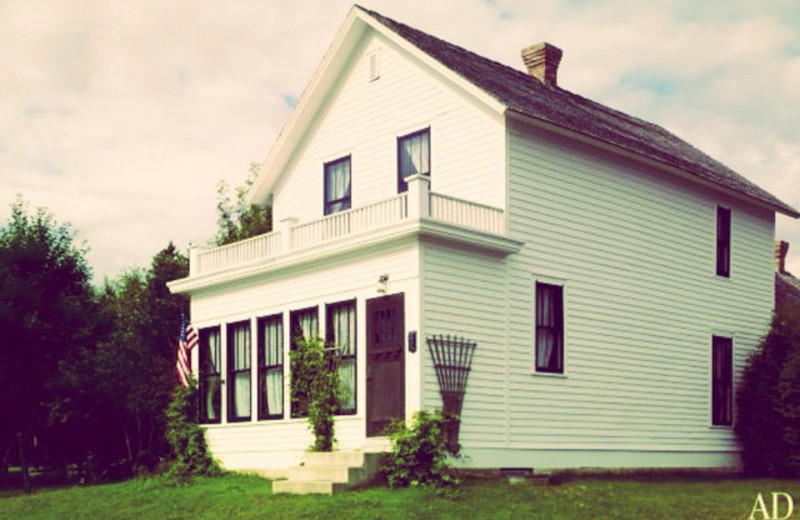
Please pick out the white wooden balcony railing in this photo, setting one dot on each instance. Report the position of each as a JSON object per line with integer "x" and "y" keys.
{"x": 417, "y": 203}
{"x": 467, "y": 214}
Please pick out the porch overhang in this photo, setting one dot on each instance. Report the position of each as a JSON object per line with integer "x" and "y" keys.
{"x": 427, "y": 228}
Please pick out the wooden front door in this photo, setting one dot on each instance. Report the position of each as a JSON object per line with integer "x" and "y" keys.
{"x": 385, "y": 362}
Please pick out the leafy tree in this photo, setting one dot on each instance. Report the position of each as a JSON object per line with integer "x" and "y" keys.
{"x": 134, "y": 365}
{"x": 239, "y": 220}
{"x": 768, "y": 400}
{"x": 46, "y": 309}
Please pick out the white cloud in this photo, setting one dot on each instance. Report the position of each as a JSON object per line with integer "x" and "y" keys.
{"x": 121, "y": 117}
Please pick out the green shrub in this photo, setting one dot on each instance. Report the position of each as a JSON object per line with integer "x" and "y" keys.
{"x": 315, "y": 381}
{"x": 768, "y": 401}
{"x": 419, "y": 455}
{"x": 190, "y": 455}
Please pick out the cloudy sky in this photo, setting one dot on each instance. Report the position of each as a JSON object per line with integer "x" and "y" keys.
{"x": 121, "y": 117}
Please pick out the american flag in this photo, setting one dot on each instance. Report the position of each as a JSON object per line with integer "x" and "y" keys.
{"x": 187, "y": 342}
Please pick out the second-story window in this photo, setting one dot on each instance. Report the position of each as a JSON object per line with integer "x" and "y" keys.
{"x": 723, "y": 242}
{"x": 337, "y": 185}
{"x": 413, "y": 157}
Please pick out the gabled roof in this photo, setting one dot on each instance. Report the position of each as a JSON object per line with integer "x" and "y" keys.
{"x": 523, "y": 94}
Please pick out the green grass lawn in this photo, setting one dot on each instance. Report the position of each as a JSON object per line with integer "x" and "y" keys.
{"x": 237, "y": 496}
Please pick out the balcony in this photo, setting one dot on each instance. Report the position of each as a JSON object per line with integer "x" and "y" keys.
{"x": 417, "y": 211}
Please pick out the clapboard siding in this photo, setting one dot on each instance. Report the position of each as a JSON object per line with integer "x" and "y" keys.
{"x": 364, "y": 118}
{"x": 636, "y": 249}
{"x": 464, "y": 294}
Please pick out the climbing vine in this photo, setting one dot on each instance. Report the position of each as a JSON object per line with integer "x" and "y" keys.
{"x": 315, "y": 386}
{"x": 190, "y": 453}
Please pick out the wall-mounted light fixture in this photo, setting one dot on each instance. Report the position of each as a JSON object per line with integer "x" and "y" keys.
{"x": 383, "y": 282}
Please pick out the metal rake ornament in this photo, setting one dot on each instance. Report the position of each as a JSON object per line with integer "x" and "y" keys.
{"x": 452, "y": 361}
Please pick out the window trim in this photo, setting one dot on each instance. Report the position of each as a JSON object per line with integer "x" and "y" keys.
{"x": 712, "y": 419}
{"x": 201, "y": 376}
{"x": 294, "y": 414}
{"x": 724, "y": 271}
{"x": 402, "y": 185}
{"x": 561, "y": 283}
{"x": 326, "y": 204}
{"x": 261, "y": 368}
{"x": 231, "y": 373}
{"x": 329, "y": 341}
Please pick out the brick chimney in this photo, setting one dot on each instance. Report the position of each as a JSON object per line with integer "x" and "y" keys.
{"x": 542, "y": 60}
{"x": 781, "y": 248}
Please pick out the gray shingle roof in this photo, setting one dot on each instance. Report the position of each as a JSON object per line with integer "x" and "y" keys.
{"x": 524, "y": 94}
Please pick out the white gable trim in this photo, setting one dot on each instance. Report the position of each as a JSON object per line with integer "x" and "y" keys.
{"x": 323, "y": 85}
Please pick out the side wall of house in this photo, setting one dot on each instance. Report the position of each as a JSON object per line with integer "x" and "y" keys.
{"x": 635, "y": 250}
{"x": 364, "y": 118}
{"x": 280, "y": 443}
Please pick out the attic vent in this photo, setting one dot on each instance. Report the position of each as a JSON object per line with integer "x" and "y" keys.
{"x": 374, "y": 65}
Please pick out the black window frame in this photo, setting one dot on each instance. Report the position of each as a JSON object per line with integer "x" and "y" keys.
{"x": 724, "y": 227}
{"x": 231, "y": 372}
{"x": 261, "y": 394}
{"x": 556, "y": 365}
{"x": 327, "y": 204}
{"x": 204, "y": 375}
{"x": 330, "y": 308}
{"x": 722, "y": 397}
{"x": 299, "y": 410}
{"x": 402, "y": 185}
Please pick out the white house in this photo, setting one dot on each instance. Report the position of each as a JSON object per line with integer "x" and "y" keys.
{"x": 614, "y": 277}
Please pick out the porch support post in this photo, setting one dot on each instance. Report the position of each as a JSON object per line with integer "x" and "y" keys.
{"x": 286, "y": 227}
{"x": 419, "y": 196}
{"x": 194, "y": 266}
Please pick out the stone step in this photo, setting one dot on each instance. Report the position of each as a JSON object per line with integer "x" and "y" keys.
{"x": 334, "y": 458}
{"x": 328, "y": 473}
{"x": 343, "y": 474}
{"x": 303, "y": 487}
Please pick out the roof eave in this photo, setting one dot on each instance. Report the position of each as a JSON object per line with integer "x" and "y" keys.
{"x": 303, "y": 114}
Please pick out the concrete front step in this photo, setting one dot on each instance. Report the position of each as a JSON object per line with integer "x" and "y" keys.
{"x": 329, "y": 472}
{"x": 334, "y": 458}
{"x": 342, "y": 474}
{"x": 303, "y": 487}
